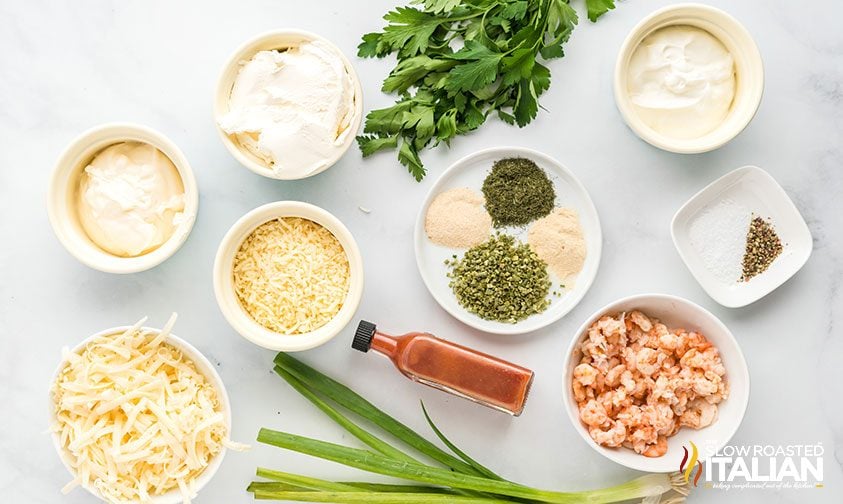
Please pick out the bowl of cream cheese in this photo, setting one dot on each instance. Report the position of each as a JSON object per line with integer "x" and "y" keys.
{"x": 288, "y": 104}
{"x": 688, "y": 78}
{"x": 122, "y": 198}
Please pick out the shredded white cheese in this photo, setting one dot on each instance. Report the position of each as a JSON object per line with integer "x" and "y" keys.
{"x": 136, "y": 417}
{"x": 291, "y": 275}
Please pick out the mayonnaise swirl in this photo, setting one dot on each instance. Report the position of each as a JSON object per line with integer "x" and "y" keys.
{"x": 130, "y": 199}
{"x": 681, "y": 81}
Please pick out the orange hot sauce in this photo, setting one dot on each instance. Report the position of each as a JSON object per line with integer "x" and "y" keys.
{"x": 461, "y": 371}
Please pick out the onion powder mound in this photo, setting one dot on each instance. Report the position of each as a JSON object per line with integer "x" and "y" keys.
{"x": 457, "y": 218}
{"x": 558, "y": 240}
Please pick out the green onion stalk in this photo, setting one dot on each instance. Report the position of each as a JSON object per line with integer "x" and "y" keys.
{"x": 460, "y": 479}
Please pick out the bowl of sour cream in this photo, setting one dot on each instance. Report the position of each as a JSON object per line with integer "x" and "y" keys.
{"x": 122, "y": 198}
{"x": 688, "y": 78}
{"x": 288, "y": 104}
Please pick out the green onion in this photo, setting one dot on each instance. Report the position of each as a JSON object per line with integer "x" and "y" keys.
{"x": 464, "y": 482}
{"x": 651, "y": 485}
{"x": 350, "y": 400}
{"x": 300, "y": 482}
{"x": 470, "y": 461}
{"x": 372, "y": 441}
{"x": 374, "y": 498}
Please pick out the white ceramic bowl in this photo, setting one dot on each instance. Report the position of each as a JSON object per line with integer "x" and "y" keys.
{"x": 230, "y": 305}
{"x": 759, "y": 193}
{"x": 748, "y": 66}
{"x": 674, "y": 312}
{"x": 63, "y": 189}
{"x": 203, "y": 365}
{"x": 470, "y": 171}
{"x": 273, "y": 40}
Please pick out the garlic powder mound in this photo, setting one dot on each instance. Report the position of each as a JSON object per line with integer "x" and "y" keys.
{"x": 457, "y": 218}
{"x": 558, "y": 240}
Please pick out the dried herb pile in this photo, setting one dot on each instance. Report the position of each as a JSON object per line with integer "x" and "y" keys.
{"x": 517, "y": 192}
{"x": 501, "y": 279}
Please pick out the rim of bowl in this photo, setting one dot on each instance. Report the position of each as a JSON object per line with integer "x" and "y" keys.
{"x": 63, "y": 214}
{"x": 419, "y": 235}
{"x": 737, "y": 39}
{"x": 229, "y": 73}
{"x": 233, "y": 310}
{"x": 203, "y": 365}
{"x": 573, "y": 415}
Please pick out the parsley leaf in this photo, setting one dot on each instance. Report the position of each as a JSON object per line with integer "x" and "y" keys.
{"x": 370, "y": 144}
{"x": 597, "y": 8}
{"x": 474, "y": 75}
{"x": 460, "y": 61}
{"x": 408, "y": 155}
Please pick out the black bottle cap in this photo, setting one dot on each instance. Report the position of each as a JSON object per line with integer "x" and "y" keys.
{"x": 363, "y": 336}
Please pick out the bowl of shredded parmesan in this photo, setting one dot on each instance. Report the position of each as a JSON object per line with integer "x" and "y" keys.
{"x": 139, "y": 415}
{"x": 288, "y": 276}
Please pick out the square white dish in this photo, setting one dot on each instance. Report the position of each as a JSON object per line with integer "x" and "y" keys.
{"x": 757, "y": 191}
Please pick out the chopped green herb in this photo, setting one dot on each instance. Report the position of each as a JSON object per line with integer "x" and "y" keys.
{"x": 501, "y": 279}
{"x": 517, "y": 192}
{"x": 460, "y": 61}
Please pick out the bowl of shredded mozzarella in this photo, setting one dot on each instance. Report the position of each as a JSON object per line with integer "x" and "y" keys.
{"x": 139, "y": 415}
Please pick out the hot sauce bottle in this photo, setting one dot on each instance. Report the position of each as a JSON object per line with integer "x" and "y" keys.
{"x": 461, "y": 371}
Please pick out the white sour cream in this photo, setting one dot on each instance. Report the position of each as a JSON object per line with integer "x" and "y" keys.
{"x": 293, "y": 108}
{"x": 130, "y": 199}
{"x": 681, "y": 81}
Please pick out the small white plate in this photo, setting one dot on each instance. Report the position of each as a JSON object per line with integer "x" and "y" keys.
{"x": 470, "y": 172}
{"x": 754, "y": 189}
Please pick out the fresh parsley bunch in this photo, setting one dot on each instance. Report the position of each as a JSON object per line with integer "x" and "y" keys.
{"x": 460, "y": 61}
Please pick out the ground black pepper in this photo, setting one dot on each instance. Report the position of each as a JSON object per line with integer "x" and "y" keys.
{"x": 763, "y": 246}
{"x": 517, "y": 192}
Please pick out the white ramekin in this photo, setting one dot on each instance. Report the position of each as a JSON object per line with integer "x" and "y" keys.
{"x": 230, "y": 305}
{"x": 203, "y": 365}
{"x": 64, "y": 184}
{"x": 674, "y": 312}
{"x": 749, "y": 69}
{"x": 273, "y": 40}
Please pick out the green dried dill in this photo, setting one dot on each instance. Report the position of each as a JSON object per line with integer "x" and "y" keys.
{"x": 501, "y": 279}
{"x": 517, "y": 192}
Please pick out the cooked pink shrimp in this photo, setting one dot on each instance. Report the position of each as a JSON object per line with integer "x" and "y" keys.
{"x": 613, "y": 377}
{"x": 593, "y": 413}
{"x": 640, "y": 320}
{"x": 658, "y": 449}
{"x": 648, "y": 361}
{"x": 638, "y": 382}
{"x": 699, "y": 414}
{"x": 613, "y": 436}
{"x": 585, "y": 374}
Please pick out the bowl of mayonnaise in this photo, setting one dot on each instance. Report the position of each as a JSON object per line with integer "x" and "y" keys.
{"x": 688, "y": 78}
{"x": 288, "y": 104}
{"x": 122, "y": 198}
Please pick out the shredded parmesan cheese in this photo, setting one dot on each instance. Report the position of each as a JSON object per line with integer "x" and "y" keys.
{"x": 291, "y": 275}
{"x": 136, "y": 417}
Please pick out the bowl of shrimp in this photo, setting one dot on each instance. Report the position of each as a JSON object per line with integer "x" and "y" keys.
{"x": 652, "y": 377}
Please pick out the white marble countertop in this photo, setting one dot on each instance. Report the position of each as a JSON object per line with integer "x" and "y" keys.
{"x": 67, "y": 66}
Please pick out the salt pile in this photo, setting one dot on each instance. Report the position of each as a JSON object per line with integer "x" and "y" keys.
{"x": 718, "y": 234}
